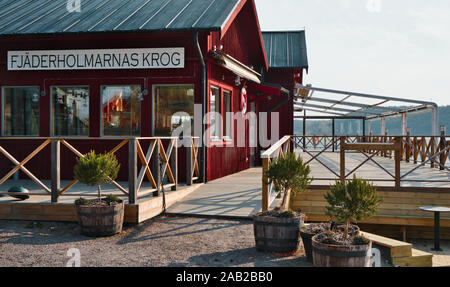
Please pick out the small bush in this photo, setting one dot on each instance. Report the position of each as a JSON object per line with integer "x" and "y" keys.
{"x": 82, "y": 201}
{"x": 352, "y": 201}
{"x": 360, "y": 240}
{"x": 96, "y": 169}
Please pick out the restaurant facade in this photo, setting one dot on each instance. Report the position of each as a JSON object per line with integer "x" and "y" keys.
{"x": 124, "y": 68}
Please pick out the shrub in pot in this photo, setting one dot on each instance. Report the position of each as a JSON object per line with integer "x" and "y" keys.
{"x": 278, "y": 230}
{"x": 347, "y": 202}
{"x": 308, "y": 231}
{"x": 101, "y": 216}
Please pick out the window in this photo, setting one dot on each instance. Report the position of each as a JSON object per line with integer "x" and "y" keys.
{"x": 227, "y": 116}
{"x": 121, "y": 109}
{"x": 169, "y": 100}
{"x": 215, "y": 112}
{"x": 70, "y": 111}
{"x": 21, "y": 111}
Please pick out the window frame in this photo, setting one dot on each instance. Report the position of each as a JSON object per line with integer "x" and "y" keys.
{"x": 222, "y": 139}
{"x": 89, "y": 107}
{"x": 215, "y": 137}
{"x": 154, "y": 86}
{"x": 227, "y": 138}
{"x": 100, "y": 95}
{"x": 3, "y": 120}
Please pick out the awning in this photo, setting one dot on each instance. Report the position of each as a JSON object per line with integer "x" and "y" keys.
{"x": 269, "y": 89}
{"x": 237, "y": 67}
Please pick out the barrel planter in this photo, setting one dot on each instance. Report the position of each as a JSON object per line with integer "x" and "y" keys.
{"x": 277, "y": 234}
{"x": 99, "y": 221}
{"x": 308, "y": 233}
{"x": 329, "y": 255}
{"x": 306, "y": 239}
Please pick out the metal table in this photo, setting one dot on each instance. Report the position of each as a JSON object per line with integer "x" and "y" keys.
{"x": 437, "y": 211}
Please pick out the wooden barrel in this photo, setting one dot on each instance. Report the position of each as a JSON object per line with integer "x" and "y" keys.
{"x": 273, "y": 234}
{"x": 98, "y": 221}
{"x": 307, "y": 245}
{"x": 328, "y": 255}
{"x": 307, "y": 240}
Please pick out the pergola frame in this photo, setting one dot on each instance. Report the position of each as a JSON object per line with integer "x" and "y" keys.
{"x": 306, "y": 99}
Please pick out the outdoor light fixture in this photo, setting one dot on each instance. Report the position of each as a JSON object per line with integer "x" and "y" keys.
{"x": 43, "y": 93}
{"x": 237, "y": 81}
{"x": 35, "y": 98}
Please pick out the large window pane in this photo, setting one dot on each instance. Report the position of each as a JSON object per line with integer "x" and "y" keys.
{"x": 121, "y": 108}
{"x": 169, "y": 100}
{"x": 214, "y": 110}
{"x": 70, "y": 111}
{"x": 21, "y": 111}
{"x": 227, "y": 118}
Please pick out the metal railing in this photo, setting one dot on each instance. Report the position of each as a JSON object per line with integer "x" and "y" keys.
{"x": 158, "y": 163}
{"x": 408, "y": 152}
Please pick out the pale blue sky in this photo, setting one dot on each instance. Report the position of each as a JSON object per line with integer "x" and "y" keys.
{"x": 398, "y": 48}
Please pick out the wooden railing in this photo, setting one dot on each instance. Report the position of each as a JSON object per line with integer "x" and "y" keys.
{"x": 274, "y": 153}
{"x": 417, "y": 151}
{"x": 158, "y": 164}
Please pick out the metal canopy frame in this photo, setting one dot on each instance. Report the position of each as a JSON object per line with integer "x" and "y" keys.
{"x": 308, "y": 98}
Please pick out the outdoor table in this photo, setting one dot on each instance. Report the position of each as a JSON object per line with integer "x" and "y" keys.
{"x": 437, "y": 210}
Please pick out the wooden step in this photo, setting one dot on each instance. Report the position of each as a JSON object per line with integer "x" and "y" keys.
{"x": 398, "y": 249}
{"x": 418, "y": 259}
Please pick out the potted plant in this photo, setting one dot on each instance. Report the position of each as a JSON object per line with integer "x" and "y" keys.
{"x": 308, "y": 231}
{"x": 347, "y": 202}
{"x": 278, "y": 230}
{"x": 101, "y": 216}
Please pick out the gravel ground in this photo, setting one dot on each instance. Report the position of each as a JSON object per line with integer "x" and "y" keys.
{"x": 162, "y": 241}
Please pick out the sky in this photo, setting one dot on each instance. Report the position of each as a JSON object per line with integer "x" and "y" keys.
{"x": 397, "y": 48}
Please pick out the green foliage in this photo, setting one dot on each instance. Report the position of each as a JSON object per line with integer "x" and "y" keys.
{"x": 82, "y": 201}
{"x": 96, "y": 169}
{"x": 352, "y": 201}
{"x": 112, "y": 199}
{"x": 289, "y": 173}
{"x": 360, "y": 240}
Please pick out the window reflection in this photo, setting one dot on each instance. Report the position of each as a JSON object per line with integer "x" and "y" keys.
{"x": 169, "y": 100}
{"x": 121, "y": 109}
{"x": 70, "y": 115}
{"x": 21, "y": 111}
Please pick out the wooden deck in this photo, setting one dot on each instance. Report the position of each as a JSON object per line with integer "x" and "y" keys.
{"x": 422, "y": 177}
{"x": 237, "y": 195}
{"x": 399, "y": 215}
{"x": 41, "y": 208}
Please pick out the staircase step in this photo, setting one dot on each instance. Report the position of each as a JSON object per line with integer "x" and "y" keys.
{"x": 418, "y": 259}
{"x": 398, "y": 249}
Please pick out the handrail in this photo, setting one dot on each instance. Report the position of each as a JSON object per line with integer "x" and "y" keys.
{"x": 275, "y": 147}
{"x": 416, "y": 150}
{"x": 158, "y": 161}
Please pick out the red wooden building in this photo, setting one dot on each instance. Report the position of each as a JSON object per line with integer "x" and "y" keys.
{"x": 123, "y": 68}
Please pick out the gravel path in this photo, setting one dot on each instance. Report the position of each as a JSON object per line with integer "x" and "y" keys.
{"x": 162, "y": 241}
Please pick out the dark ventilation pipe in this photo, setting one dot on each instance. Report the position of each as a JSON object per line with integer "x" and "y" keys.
{"x": 203, "y": 156}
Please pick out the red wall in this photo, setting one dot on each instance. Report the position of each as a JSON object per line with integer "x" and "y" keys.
{"x": 40, "y": 166}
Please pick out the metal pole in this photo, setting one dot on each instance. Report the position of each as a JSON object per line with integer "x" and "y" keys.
{"x": 437, "y": 240}
{"x": 333, "y": 132}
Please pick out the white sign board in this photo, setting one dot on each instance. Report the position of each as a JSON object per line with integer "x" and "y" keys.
{"x": 151, "y": 58}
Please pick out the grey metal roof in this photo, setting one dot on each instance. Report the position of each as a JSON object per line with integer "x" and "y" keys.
{"x": 285, "y": 49}
{"x": 19, "y": 17}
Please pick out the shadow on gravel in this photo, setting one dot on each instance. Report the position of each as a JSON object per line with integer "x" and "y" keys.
{"x": 246, "y": 256}
{"x": 39, "y": 233}
{"x": 179, "y": 228}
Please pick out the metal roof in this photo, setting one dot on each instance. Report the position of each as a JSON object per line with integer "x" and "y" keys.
{"x": 22, "y": 17}
{"x": 286, "y": 49}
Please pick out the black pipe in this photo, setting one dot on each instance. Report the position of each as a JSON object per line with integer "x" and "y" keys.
{"x": 203, "y": 149}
